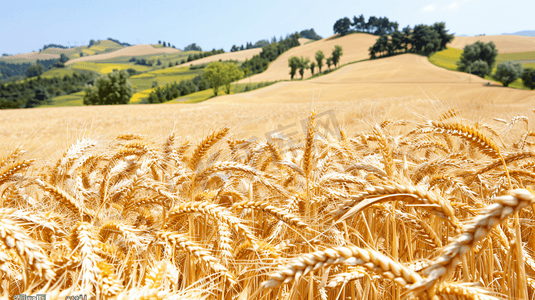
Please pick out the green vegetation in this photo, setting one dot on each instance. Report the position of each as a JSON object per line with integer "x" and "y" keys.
{"x": 259, "y": 63}
{"x": 337, "y": 53}
{"x": 249, "y": 45}
{"x": 303, "y": 64}
{"x": 111, "y": 89}
{"x": 207, "y": 94}
{"x": 478, "y": 58}
{"x": 528, "y": 78}
{"x": 319, "y": 59}
{"x": 222, "y": 74}
{"x": 508, "y": 72}
{"x": 192, "y": 47}
{"x": 448, "y": 59}
{"x": 35, "y": 70}
{"x": 423, "y": 40}
{"x": 293, "y": 63}
{"x": 376, "y": 26}
{"x": 105, "y": 68}
{"x": 75, "y": 99}
{"x": 310, "y": 34}
{"x": 163, "y": 76}
{"x": 38, "y": 90}
{"x": 174, "y": 90}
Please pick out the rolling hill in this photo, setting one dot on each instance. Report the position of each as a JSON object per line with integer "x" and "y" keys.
{"x": 355, "y": 47}
{"x": 406, "y": 76}
{"x": 238, "y": 55}
{"x": 136, "y": 50}
{"x": 504, "y": 43}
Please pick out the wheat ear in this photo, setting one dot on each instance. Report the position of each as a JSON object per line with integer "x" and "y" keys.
{"x": 352, "y": 255}
{"x": 473, "y": 232}
{"x": 276, "y": 212}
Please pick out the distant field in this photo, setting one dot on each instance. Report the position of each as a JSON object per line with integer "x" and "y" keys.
{"x": 58, "y": 73}
{"x": 31, "y": 57}
{"x": 449, "y": 57}
{"x": 101, "y": 47}
{"x": 144, "y": 81}
{"x": 504, "y": 43}
{"x": 76, "y": 99}
{"x": 140, "y": 97}
{"x": 136, "y": 50}
{"x": 105, "y": 68}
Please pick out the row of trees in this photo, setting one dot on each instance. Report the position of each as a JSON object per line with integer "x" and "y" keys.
{"x": 174, "y": 90}
{"x": 33, "y": 92}
{"x": 166, "y": 44}
{"x": 259, "y": 63}
{"x": 422, "y": 39}
{"x": 192, "y": 47}
{"x": 249, "y": 45}
{"x": 295, "y": 63}
{"x": 376, "y": 26}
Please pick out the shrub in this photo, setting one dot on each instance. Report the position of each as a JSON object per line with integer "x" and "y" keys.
{"x": 111, "y": 89}
{"x": 35, "y": 70}
{"x": 508, "y": 72}
{"x": 478, "y": 51}
{"x": 528, "y": 78}
{"x": 479, "y": 68}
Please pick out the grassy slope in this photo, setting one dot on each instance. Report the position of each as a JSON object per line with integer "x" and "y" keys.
{"x": 101, "y": 47}
{"x": 449, "y": 57}
{"x": 105, "y": 68}
{"x": 163, "y": 76}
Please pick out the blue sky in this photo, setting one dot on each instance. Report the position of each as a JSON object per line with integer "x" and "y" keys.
{"x": 28, "y": 25}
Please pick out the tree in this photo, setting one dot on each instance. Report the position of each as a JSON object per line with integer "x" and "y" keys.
{"x": 35, "y": 70}
{"x": 219, "y": 74}
{"x": 508, "y": 72}
{"x": 528, "y": 78}
{"x": 479, "y": 68}
{"x": 329, "y": 62}
{"x": 192, "y": 47}
{"x": 319, "y": 59}
{"x": 293, "y": 63}
{"x": 444, "y": 37}
{"x": 397, "y": 40}
{"x": 233, "y": 73}
{"x": 407, "y": 38}
{"x": 312, "y": 67}
{"x": 478, "y": 51}
{"x": 359, "y": 23}
{"x": 159, "y": 42}
{"x": 342, "y": 26}
{"x": 303, "y": 64}
{"x": 63, "y": 58}
{"x": 337, "y": 53}
{"x": 111, "y": 89}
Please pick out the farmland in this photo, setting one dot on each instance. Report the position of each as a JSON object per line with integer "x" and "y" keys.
{"x": 385, "y": 178}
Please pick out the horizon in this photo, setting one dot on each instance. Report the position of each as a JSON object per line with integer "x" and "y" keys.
{"x": 221, "y": 24}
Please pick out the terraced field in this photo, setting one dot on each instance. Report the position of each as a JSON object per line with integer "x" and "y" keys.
{"x": 238, "y": 55}
{"x": 144, "y": 81}
{"x": 136, "y": 50}
{"x": 104, "y": 46}
{"x": 105, "y": 68}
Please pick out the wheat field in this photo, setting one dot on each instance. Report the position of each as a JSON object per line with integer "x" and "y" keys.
{"x": 435, "y": 207}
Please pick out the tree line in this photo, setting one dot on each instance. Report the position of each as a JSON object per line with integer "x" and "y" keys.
{"x": 166, "y": 44}
{"x": 374, "y": 25}
{"x": 259, "y": 63}
{"x": 422, "y": 39}
{"x": 8, "y": 70}
{"x": 33, "y": 92}
{"x": 299, "y": 63}
{"x": 174, "y": 90}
